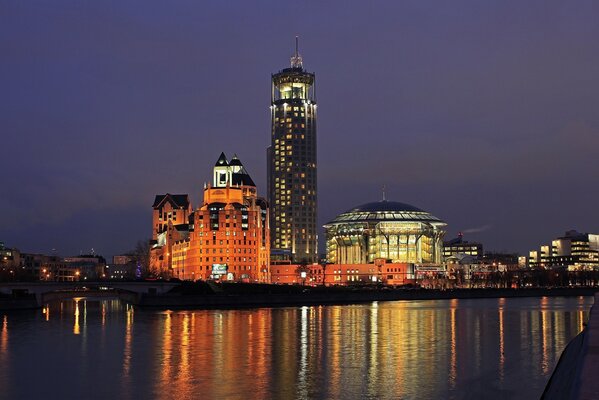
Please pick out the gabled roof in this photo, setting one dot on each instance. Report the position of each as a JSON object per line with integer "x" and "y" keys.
{"x": 222, "y": 160}
{"x": 236, "y": 161}
{"x": 177, "y": 200}
{"x": 242, "y": 179}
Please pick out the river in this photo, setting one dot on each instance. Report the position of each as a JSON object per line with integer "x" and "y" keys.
{"x": 432, "y": 349}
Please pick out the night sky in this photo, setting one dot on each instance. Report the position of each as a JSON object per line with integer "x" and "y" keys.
{"x": 483, "y": 113}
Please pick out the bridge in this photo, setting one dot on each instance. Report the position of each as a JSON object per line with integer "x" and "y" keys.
{"x": 46, "y": 291}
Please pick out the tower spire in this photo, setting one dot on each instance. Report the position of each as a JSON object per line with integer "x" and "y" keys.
{"x": 296, "y": 59}
{"x": 384, "y": 196}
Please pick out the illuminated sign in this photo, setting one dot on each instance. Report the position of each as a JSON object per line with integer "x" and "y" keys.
{"x": 219, "y": 269}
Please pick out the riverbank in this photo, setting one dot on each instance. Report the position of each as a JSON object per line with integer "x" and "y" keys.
{"x": 229, "y": 298}
{"x": 231, "y": 295}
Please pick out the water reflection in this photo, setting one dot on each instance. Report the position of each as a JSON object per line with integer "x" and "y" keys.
{"x": 453, "y": 363}
{"x": 4, "y": 337}
{"x": 501, "y": 306}
{"x": 76, "y": 328}
{"x": 418, "y": 349}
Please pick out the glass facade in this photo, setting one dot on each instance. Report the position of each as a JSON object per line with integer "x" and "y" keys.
{"x": 385, "y": 230}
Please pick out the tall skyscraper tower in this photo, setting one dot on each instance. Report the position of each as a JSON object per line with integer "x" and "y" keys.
{"x": 292, "y": 162}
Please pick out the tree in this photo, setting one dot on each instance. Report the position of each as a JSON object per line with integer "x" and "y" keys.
{"x": 141, "y": 255}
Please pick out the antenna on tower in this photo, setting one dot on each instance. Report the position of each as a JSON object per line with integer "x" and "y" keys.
{"x": 384, "y": 197}
{"x": 296, "y": 59}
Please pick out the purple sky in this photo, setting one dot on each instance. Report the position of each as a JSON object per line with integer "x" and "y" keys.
{"x": 483, "y": 113}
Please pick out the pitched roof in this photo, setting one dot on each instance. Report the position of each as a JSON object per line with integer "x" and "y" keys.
{"x": 222, "y": 160}
{"x": 242, "y": 179}
{"x": 177, "y": 200}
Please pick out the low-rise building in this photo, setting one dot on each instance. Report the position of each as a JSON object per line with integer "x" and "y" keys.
{"x": 379, "y": 272}
{"x": 123, "y": 267}
{"x": 459, "y": 246}
{"x": 85, "y": 267}
{"x": 9, "y": 258}
{"x": 574, "y": 251}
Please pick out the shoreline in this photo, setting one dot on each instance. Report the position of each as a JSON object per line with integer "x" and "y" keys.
{"x": 312, "y": 297}
{"x": 336, "y": 297}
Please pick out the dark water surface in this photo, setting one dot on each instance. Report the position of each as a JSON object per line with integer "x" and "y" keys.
{"x": 433, "y": 349}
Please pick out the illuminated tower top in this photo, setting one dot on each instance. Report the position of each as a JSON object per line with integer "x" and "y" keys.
{"x": 293, "y": 83}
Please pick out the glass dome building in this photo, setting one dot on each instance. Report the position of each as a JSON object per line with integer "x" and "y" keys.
{"x": 385, "y": 230}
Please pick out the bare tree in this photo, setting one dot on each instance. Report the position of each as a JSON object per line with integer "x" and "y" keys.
{"x": 141, "y": 255}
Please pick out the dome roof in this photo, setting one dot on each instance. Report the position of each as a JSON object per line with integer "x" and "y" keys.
{"x": 384, "y": 206}
{"x": 385, "y": 211}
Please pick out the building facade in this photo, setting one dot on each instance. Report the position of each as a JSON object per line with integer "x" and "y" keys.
{"x": 85, "y": 267}
{"x": 170, "y": 223}
{"x": 574, "y": 250}
{"x": 226, "y": 237}
{"x": 380, "y": 272}
{"x": 457, "y": 246}
{"x": 388, "y": 230}
{"x": 292, "y": 162}
{"x": 9, "y": 258}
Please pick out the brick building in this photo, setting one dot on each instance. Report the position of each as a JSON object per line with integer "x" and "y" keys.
{"x": 226, "y": 237}
{"x": 380, "y": 272}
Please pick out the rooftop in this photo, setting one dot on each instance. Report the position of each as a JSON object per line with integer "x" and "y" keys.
{"x": 386, "y": 211}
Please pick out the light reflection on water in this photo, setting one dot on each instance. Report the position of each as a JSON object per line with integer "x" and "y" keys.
{"x": 480, "y": 348}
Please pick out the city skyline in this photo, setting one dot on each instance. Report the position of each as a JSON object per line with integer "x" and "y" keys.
{"x": 477, "y": 120}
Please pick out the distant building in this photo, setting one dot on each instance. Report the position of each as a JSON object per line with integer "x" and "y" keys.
{"x": 501, "y": 261}
{"x": 292, "y": 162}
{"x": 574, "y": 250}
{"x": 47, "y": 267}
{"x": 9, "y": 258}
{"x": 86, "y": 266}
{"x": 459, "y": 246}
{"x": 226, "y": 238}
{"x": 123, "y": 267}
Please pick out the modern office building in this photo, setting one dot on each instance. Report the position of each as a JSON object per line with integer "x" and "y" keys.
{"x": 387, "y": 230}
{"x": 459, "y": 246}
{"x": 292, "y": 162}
{"x": 574, "y": 250}
{"x": 225, "y": 238}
